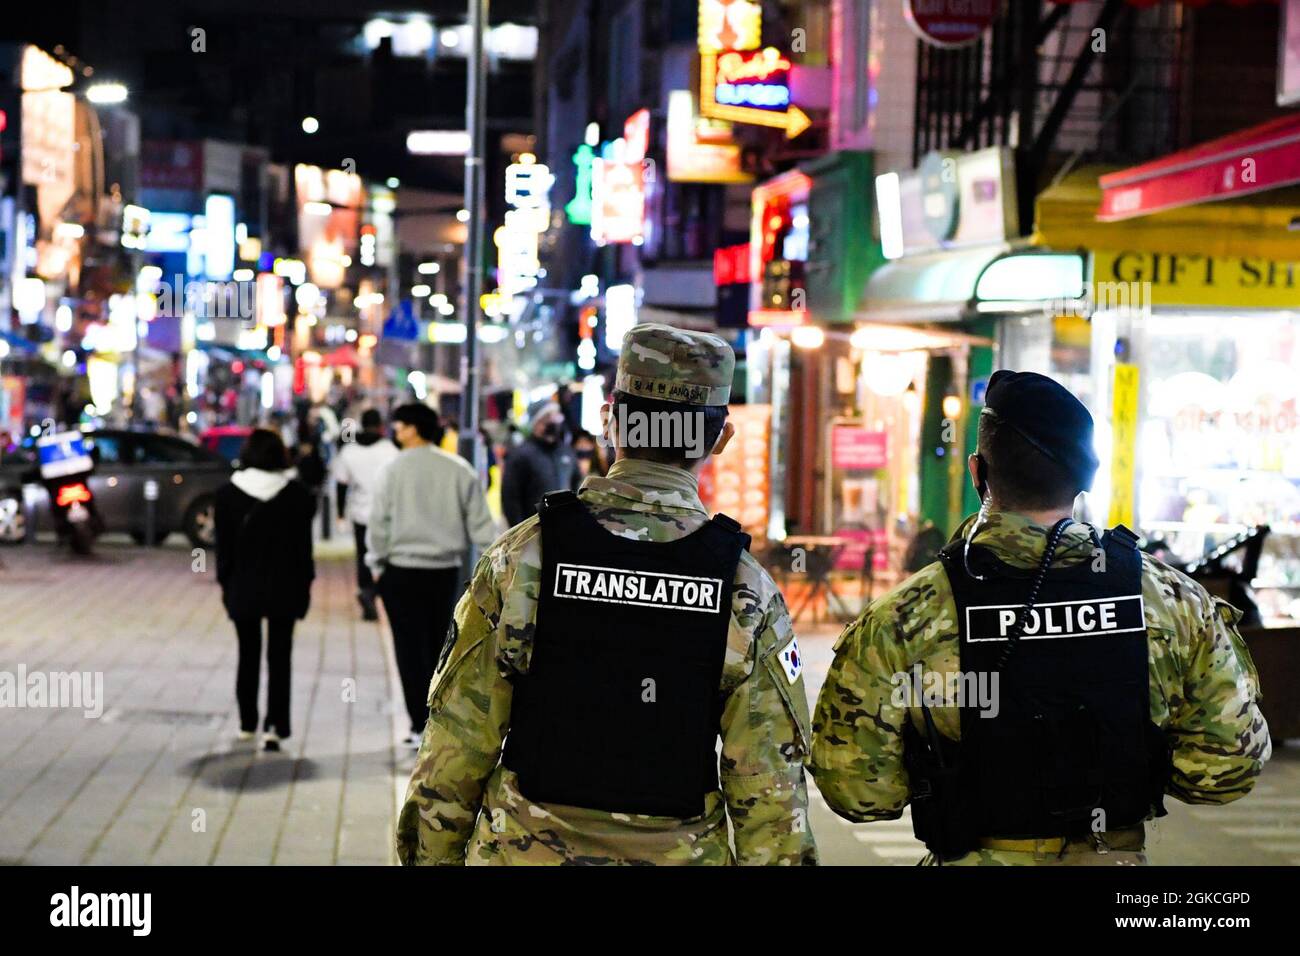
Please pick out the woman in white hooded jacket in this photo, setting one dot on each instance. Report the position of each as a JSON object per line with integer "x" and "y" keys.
{"x": 265, "y": 568}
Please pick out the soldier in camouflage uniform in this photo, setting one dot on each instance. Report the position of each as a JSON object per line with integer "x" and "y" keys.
{"x": 463, "y": 805}
{"x": 1203, "y": 688}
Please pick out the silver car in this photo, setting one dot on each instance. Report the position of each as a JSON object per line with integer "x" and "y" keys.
{"x": 129, "y": 466}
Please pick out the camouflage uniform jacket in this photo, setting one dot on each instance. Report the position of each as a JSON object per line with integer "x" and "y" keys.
{"x": 1203, "y": 686}
{"x": 462, "y": 806}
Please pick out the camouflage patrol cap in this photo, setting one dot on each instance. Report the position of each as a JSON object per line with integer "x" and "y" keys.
{"x": 674, "y": 365}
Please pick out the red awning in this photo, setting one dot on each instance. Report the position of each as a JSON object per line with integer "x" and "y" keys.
{"x": 1250, "y": 161}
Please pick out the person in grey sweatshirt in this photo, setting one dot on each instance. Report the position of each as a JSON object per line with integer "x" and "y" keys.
{"x": 428, "y": 509}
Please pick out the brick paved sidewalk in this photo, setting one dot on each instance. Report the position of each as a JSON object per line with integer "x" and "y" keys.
{"x": 160, "y": 778}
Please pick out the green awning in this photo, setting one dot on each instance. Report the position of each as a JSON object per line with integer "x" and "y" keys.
{"x": 951, "y": 286}
{"x": 934, "y": 287}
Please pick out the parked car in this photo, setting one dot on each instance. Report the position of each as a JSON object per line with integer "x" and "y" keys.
{"x": 187, "y": 477}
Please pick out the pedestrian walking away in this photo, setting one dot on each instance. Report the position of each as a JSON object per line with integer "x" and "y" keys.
{"x": 1037, "y": 692}
{"x": 428, "y": 510}
{"x": 604, "y": 647}
{"x": 356, "y": 470}
{"x": 264, "y": 565}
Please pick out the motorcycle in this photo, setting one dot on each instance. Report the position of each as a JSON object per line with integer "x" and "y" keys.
{"x": 66, "y": 467}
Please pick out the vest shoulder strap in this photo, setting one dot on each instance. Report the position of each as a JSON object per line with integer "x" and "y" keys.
{"x": 732, "y": 527}
{"x": 558, "y": 499}
{"x": 1122, "y": 536}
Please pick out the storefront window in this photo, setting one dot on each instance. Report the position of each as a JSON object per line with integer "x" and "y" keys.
{"x": 1059, "y": 346}
{"x": 1220, "y": 442}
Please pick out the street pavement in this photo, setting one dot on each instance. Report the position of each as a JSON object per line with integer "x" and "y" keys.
{"x": 159, "y": 778}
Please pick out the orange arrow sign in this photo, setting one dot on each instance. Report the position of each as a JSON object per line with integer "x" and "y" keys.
{"x": 796, "y": 122}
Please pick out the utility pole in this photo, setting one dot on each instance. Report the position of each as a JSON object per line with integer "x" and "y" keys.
{"x": 476, "y": 93}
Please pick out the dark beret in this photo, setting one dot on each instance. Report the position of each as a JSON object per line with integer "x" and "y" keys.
{"x": 1047, "y": 416}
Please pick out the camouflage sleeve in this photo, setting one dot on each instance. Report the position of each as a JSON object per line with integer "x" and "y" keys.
{"x": 1219, "y": 736}
{"x": 469, "y": 709}
{"x": 764, "y": 742}
{"x": 857, "y": 746}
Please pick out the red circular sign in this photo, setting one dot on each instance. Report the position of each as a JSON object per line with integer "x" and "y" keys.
{"x": 951, "y": 23}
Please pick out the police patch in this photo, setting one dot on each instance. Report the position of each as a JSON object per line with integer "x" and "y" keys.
{"x": 678, "y": 592}
{"x": 792, "y": 661}
{"x": 1096, "y": 617}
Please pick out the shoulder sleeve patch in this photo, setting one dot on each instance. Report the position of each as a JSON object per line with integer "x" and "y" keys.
{"x": 791, "y": 660}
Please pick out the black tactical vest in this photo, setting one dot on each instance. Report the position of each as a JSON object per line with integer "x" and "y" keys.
{"x": 1071, "y": 748}
{"x": 620, "y": 708}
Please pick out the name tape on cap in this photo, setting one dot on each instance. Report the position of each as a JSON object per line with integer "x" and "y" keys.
{"x": 679, "y": 592}
{"x": 1091, "y": 618}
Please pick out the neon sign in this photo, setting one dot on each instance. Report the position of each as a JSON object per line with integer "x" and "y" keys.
{"x": 751, "y": 87}
{"x": 767, "y": 65}
{"x": 617, "y": 199}
{"x": 528, "y": 189}
{"x": 730, "y": 25}
{"x": 578, "y": 209}
{"x": 760, "y": 80}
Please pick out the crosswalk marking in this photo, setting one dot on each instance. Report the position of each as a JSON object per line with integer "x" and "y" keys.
{"x": 1282, "y": 829}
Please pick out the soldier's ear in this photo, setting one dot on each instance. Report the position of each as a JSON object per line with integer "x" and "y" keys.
{"x": 728, "y": 431}
{"x": 606, "y": 428}
{"x": 978, "y": 472}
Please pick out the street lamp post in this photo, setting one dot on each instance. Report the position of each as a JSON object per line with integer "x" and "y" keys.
{"x": 476, "y": 91}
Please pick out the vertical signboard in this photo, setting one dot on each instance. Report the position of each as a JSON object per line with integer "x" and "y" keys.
{"x": 1123, "y": 456}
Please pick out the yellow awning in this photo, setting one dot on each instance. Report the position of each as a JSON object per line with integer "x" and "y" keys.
{"x": 1259, "y": 225}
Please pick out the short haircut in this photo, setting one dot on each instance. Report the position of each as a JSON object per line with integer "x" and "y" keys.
{"x": 264, "y": 449}
{"x": 422, "y": 418}
{"x": 371, "y": 419}
{"x": 713, "y": 416}
{"x": 1020, "y": 476}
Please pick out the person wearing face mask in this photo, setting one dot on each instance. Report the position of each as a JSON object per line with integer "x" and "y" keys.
{"x": 542, "y": 462}
{"x": 587, "y": 450}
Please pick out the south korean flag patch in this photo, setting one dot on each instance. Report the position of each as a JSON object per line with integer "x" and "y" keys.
{"x": 792, "y": 661}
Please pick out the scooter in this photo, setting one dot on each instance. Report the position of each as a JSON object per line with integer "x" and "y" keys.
{"x": 66, "y": 467}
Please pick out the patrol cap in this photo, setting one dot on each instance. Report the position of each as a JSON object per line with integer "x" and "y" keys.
{"x": 674, "y": 365}
{"x": 1047, "y": 416}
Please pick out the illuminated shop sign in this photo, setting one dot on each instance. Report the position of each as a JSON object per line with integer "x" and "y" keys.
{"x": 751, "y": 87}
{"x": 731, "y": 264}
{"x": 618, "y": 185}
{"x": 730, "y": 25}
{"x": 528, "y": 191}
{"x": 760, "y": 79}
{"x": 578, "y": 209}
{"x": 700, "y": 150}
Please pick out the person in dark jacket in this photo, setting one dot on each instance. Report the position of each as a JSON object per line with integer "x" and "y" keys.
{"x": 265, "y": 568}
{"x": 542, "y": 462}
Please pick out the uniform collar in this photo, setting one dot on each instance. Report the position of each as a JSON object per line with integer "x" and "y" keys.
{"x": 645, "y": 486}
{"x": 1019, "y": 541}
